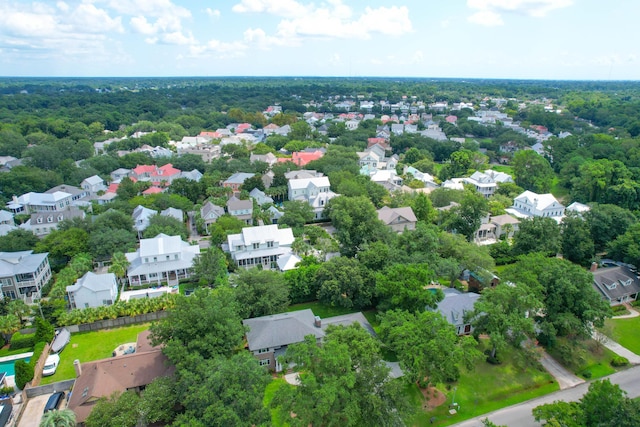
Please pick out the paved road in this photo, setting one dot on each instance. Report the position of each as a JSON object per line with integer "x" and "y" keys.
{"x": 520, "y": 415}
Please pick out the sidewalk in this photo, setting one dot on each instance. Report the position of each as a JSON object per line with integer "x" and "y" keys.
{"x": 632, "y": 313}
{"x": 633, "y": 358}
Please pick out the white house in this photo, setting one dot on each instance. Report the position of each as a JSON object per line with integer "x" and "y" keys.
{"x": 161, "y": 259}
{"x": 93, "y": 184}
{"x": 260, "y": 197}
{"x": 93, "y": 290}
{"x": 23, "y": 274}
{"x": 529, "y": 204}
{"x": 262, "y": 245}
{"x": 40, "y": 202}
{"x": 483, "y": 183}
{"x": 315, "y": 191}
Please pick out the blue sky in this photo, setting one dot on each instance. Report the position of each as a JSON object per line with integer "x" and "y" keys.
{"x": 538, "y": 39}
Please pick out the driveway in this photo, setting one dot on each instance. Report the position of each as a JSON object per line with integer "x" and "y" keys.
{"x": 565, "y": 378}
{"x": 33, "y": 411}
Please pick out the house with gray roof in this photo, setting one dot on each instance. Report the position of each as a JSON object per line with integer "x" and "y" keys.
{"x": 210, "y": 214}
{"x": 617, "y": 285}
{"x": 93, "y": 290}
{"x": 241, "y": 209}
{"x": 455, "y": 305}
{"x": 93, "y": 184}
{"x": 260, "y": 197}
{"x": 163, "y": 259}
{"x": 23, "y": 274}
{"x": 262, "y": 245}
{"x": 173, "y": 213}
{"x": 269, "y": 336}
{"x": 141, "y": 217}
{"x": 236, "y": 180}
{"x": 398, "y": 219}
{"x": 43, "y": 223}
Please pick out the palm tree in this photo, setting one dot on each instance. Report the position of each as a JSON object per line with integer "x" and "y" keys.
{"x": 18, "y": 308}
{"x": 119, "y": 265}
{"x": 9, "y": 325}
{"x": 63, "y": 418}
{"x": 81, "y": 263}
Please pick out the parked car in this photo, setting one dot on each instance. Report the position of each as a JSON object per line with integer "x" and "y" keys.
{"x": 54, "y": 401}
{"x": 50, "y": 365}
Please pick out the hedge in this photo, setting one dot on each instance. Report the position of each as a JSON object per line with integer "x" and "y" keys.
{"x": 19, "y": 341}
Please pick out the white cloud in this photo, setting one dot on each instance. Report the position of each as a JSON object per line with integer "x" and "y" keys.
{"x": 153, "y": 8}
{"x": 217, "y": 49}
{"x": 214, "y": 13}
{"x": 418, "y": 57}
{"x": 160, "y": 20}
{"x": 332, "y": 19}
{"x": 489, "y": 12}
{"x": 335, "y": 60}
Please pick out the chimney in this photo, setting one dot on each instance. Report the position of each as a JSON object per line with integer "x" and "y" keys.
{"x": 317, "y": 322}
{"x": 594, "y": 267}
{"x": 77, "y": 367}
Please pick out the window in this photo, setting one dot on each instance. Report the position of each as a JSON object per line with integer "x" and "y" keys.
{"x": 256, "y": 245}
{"x": 265, "y": 362}
{"x": 263, "y": 350}
{"x": 175, "y": 256}
{"x": 155, "y": 259}
{"x": 269, "y": 244}
{"x": 39, "y": 220}
{"x": 146, "y": 260}
{"x": 168, "y": 257}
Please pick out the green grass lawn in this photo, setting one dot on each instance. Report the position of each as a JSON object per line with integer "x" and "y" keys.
{"x": 503, "y": 169}
{"x": 88, "y": 346}
{"x": 5, "y": 351}
{"x": 625, "y": 332}
{"x": 595, "y": 359}
{"x": 322, "y": 310}
{"x": 269, "y": 393}
{"x": 487, "y": 388}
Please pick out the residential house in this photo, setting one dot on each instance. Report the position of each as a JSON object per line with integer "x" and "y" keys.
{"x": 173, "y": 213}
{"x": 260, "y": 197}
{"x": 426, "y": 178}
{"x": 128, "y": 372}
{"x": 578, "y": 208}
{"x": 481, "y": 279}
{"x": 269, "y": 336}
{"x": 274, "y": 214}
{"x": 141, "y": 217}
{"x": 529, "y": 204}
{"x": 301, "y": 158}
{"x": 455, "y": 305}
{"x": 210, "y": 214}
{"x": 194, "y": 175}
{"x": 303, "y": 174}
{"x": 6, "y": 223}
{"x": 93, "y": 290}
{"x": 498, "y": 177}
{"x": 207, "y": 152}
{"x": 268, "y": 158}
{"x": 315, "y": 191}
{"x": 241, "y": 209}
{"x": 505, "y": 225}
{"x": 483, "y": 183}
{"x": 161, "y": 259}
{"x": 618, "y": 285}
{"x": 118, "y": 174}
{"x": 23, "y": 274}
{"x": 160, "y": 176}
{"x": 93, "y": 185}
{"x": 398, "y": 219}
{"x": 261, "y": 245}
{"x": 236, "y": 180}
{"x": 43, "y": 223}
{"x": 288, "y": 262}
{"x": 40, "y": 202}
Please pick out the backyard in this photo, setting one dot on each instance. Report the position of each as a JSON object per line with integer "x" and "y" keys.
{"x": 89, "y": 346}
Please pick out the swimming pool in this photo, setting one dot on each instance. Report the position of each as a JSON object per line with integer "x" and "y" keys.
{"x": 8, "y": 366}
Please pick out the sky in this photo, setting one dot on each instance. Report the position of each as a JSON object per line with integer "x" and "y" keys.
{"x": 518, "y": 39}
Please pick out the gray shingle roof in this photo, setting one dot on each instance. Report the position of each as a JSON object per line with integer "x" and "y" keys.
{"x": 281, "y": 329}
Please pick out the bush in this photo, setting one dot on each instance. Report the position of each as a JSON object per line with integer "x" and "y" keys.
{"x": 586, "y": 373}
{"x": 492, "y": 360}
{"x": 19, "y": 341}
{"x": 618, "y": 361}
{"x": 44, "y": 330}
{"x": 24, "y": 373}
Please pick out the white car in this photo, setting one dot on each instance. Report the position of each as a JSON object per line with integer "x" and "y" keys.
{"x": 50, "y": 365}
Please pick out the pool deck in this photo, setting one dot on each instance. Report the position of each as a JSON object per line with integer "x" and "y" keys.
{"x": 15, "y": 357}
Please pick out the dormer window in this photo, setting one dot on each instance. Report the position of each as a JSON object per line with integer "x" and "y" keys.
{"x": 610, "y": 286}
{"x": 256, "y": 245}
{"x": 39, "y": 220}
{"x": 269, "y": 244}
{"x": 60, "y": 217}
{"x": 626, "y": 282}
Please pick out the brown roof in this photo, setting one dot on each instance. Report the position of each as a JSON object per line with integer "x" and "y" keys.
{"x": 389, "y": 215}
{"x": 102, "y": 378}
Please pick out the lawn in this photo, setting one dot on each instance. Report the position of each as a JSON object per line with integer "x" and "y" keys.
{"x": 269, "y": 393}
{"x": 589, "y": 359}
{"x": 89, "y": 346}
{"x": 487, "y": 388}
{"x": 503, "y": 168}
{"x": 5, "y": 351}
{"x": 322, "y": 310}
{"x": 625, "y": 332}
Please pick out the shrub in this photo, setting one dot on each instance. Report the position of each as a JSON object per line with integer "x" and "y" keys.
{"x": 24, "y": 373}
{"x": 492, "y": 360}
{"x": 44, "y": 331}
{"x": 19, "y": 341}
{"x": 618, "y": 361}
{"x": 586, "y": 373}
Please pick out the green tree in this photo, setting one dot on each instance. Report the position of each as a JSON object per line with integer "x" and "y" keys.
{"x": 18, "y": 240}
{"x": 427, "y": 346}
{"x": 210, "y": 267}
{"x": 44, "y": 330}
{"x": 221, "y": 392}
{"x": 103, "y": 243}
{"x": 296, "y": 214}
{"x": 158, "y": 403}
{"x": 302, "y": 282}
{"x": 344, "y": 382}
{"x": 64, "y": 244}
{"x": 423, "y": 208}
{"x": 127, "y": 189}
{"x": 260, "y": 292}
{"x": 166, "y": 225}
{"x": 577, "y": 245}
{"x": 532, "y": 171}
{"x": 61, "y": 418}
{"x": 626, "y": 247}
{"x": 119, "y": 409}
{"x": 119, "y": 265}
{"x": 537, "y": 234}
{"x": 344, "y": 282}
{"x": 467, "y": 216}
{"x": 403, "y": 287}
{"x": 9, "y": 325}
{"x": 503, "y": 313}
{"x": 205, "y": 323}
{"x": 356, "y": 223}
{"x": 607, "y": 222}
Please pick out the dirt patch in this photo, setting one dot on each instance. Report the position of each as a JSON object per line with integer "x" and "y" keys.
{"x": 432, "y": 398}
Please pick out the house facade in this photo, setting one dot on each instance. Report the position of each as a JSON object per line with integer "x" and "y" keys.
{"x": 241, "y": 209}
{"x": 93, "y": 184}
{"x": 529, "y": 204}
{"x": 617, "y": 285}
{"x": 43, "y": 223}
{"x": 210, "y": 214}
{"x": 315, "y": 191}
{"x": 93, "y": 290}
{"x": 141, "y": 217}
{"x": 262, "y": 245}
{"x": 398, "y": 219}
{"x": 455, "y": 305}
{"x": 236, "y": 180}
{"x": 163, "y": 259}
{"x": 23, "y": 274}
